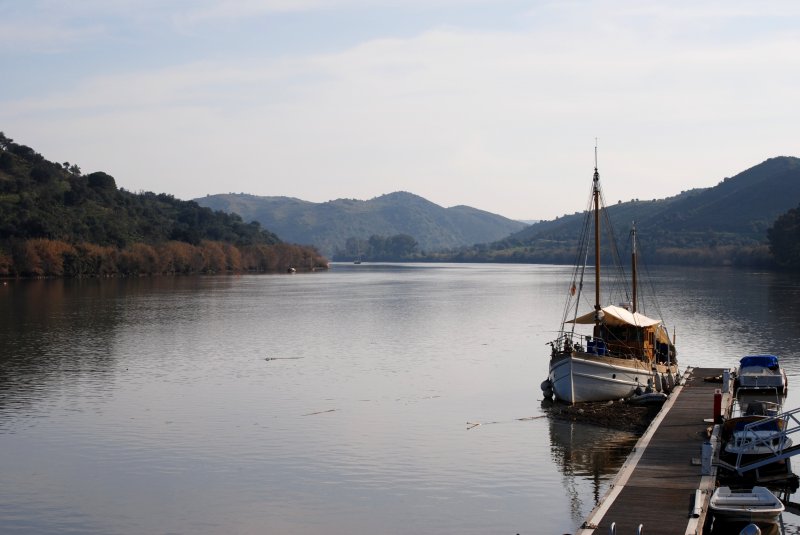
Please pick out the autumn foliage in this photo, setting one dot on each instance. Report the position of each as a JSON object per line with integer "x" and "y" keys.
{"x": 42, "y": 257}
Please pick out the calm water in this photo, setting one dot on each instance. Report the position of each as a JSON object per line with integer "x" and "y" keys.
{"x": 328, "y": 403}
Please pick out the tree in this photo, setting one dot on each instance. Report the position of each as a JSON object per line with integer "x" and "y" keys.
{"x": 214, "y": 256}
{"x": 5, "y": 142}
{"x": 101, "y": 181}
{"x": 784, "y": 239}
{"x": 401, "y": 246}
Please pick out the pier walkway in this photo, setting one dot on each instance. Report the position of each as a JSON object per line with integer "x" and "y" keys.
{"x": 661, "y": 486}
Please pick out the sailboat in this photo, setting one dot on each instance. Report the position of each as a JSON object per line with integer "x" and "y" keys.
{"x": 627, "y": 352}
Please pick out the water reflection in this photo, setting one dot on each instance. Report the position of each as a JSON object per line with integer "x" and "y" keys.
{"x": 52, "y": 333}
{"x": 587, "y": 453}
{"x": 783, "y": 318}
{"x": 60, "y": 337}
{"x": 724, "y": 314}
{"x": 122, "y": 401}
{"x": 722, "y": 527}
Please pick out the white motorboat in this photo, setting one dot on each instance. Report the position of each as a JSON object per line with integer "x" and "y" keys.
{"x": 626, "y": 351}
{"x": 751, "y": 434}
{"x": 757, "y": 442}
{"x": 761, "y": 372}
{"x": 756, "y": 505}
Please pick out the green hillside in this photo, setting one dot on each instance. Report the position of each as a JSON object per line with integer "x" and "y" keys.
{"x": 724, "y": 224}
{"x": 329, "y": 225}
{"x": 48, "y": 209}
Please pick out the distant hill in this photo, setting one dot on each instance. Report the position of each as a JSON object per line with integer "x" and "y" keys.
{"x": 726, "y": 223}
{"x": 328, "y": 225}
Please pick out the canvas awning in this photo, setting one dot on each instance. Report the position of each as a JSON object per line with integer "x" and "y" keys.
{"x": 617, "y": 317}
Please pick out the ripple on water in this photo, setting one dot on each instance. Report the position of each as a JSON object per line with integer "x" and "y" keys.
{"x": 150, "y": 406}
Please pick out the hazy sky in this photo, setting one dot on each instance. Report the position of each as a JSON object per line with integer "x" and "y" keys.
{"x": 493, "y": 104}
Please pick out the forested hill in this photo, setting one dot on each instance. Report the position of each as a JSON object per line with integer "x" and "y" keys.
{"x": 48, "y": 209}
{"x": 726, "y": 223}
{"x": 329, "y": 225}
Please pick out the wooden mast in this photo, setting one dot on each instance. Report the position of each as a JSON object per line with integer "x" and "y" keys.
{"x": 633, "y": 265}
{"x": 596, "y": 195}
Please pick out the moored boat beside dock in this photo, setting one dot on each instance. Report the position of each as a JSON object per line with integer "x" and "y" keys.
{"x": 761, "y": 373}
{"x": 729, "y": 491}
{"x": 627, "y": 352}
{"x": 757, "y": 505}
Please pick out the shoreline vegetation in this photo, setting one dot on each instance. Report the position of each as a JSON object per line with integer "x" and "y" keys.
{"x": 759, "y": 256}
{"x": 42, "y": 258}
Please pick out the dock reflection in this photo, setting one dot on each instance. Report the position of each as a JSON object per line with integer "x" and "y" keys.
{"x": 587, "y": 455}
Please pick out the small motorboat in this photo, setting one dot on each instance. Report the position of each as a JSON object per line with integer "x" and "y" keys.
{"x": 754, "y": 435}
{"x": 761, "y": 372}
{"x": 756, "y": 505}
{"x": 757, "y": 442}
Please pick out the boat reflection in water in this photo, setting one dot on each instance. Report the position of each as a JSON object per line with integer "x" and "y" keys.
{"x": 722, "y": 527}
{"x": 587, "y": 455}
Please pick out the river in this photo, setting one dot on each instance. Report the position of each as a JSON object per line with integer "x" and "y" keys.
{"x": 334, "y": 402}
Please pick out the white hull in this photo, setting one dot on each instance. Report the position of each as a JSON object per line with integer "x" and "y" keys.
{"x": 757, "y": 442}
{"x": 758, "y": 505}
{"x": 762, "y": 379}
{"x": 582, "y": 377}
{"x": 761, "y": 372}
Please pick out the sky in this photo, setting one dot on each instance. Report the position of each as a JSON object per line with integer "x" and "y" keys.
{"x": 492, "y": 104}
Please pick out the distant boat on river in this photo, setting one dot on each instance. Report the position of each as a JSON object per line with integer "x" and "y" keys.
{"x": 626, "y": 351}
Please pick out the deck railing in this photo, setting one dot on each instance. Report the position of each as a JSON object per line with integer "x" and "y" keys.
{"x": 787, "y": 423}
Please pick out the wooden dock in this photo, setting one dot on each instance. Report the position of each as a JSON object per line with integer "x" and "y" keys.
{"x": 661, "y": 486}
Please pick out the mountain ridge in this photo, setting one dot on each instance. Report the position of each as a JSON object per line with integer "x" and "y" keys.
{"x": 729, "y": 220}
{"x": 327, "y": 225}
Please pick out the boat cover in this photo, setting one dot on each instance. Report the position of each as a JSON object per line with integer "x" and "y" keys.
{"x": 617, "y": 317}
{"x": 763, "y": 361}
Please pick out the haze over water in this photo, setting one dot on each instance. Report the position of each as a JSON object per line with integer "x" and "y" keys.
{"x": 329, "y": 403}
